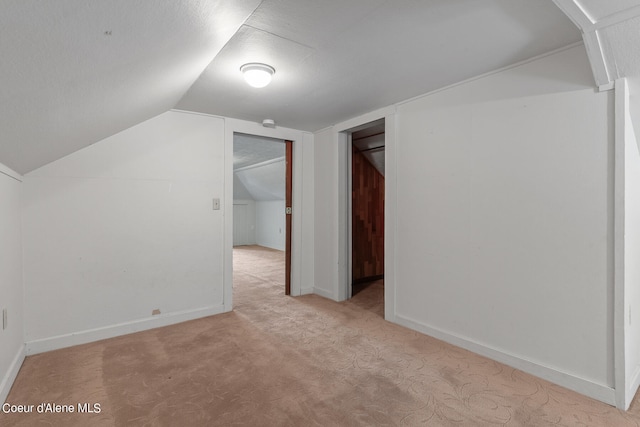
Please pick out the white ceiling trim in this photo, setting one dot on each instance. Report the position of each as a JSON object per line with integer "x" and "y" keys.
{"x": 599, "y": 50}
{"x": 596, "y": 54}
{"x": 586, "y": 24}
{"x": 4, "y": 170}
{"x": 575, "y": 13}
{"x": 490, "y": 73}
{"x": 616, "y": 18}
{"x": 257, "y": 165}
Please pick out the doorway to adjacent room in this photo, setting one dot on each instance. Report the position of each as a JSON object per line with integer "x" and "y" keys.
{"x": 262, "y": 187}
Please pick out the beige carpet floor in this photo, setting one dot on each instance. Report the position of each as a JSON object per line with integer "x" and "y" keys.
{"x": 282, "y": 361}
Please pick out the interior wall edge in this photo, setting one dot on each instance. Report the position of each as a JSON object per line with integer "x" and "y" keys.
{"x": 580, "y": 385}
{"x": 324, "y": 293}
{"x": 5, "y": 170}
{"x": 632, "y": 388}
{"x": 390, "y": 216}
{"x": 112, "y": 331}
{"x": 196, "y": 113}
{"x": 306, "y": 291}
{"x": 363, "y": 119}
{"x": 12, "y": 352}
{"x": 7, "y": 381}
{"x": 620, "y": 105}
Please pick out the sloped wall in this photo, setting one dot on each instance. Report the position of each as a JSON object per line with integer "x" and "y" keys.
{"x": 123, "y": 228}
{"x": 240, "y": 192}
{"x": 264, "y": 182}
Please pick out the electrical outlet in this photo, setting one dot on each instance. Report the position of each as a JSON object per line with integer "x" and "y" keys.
{"x": 4, "y": 318}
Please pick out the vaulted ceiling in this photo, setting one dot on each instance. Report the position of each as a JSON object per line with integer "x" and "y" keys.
{"x": 74, "y": 71}
{"x": 259, "y": 168}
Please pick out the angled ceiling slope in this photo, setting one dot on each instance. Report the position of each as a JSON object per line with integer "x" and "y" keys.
{"x": 259, "y": 166}
{"x": 335, "y": 59}
{"x": 74, "y": 72}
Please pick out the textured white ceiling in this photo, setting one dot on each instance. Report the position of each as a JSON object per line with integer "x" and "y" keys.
{"x": 599, "y": 9}
{"x": 336, "y": 59}
{"x": 75, "y": 71}
{"x": 249, "y": 150}
{"x": 624, "y": 48}
{"x": 259, "y": 166}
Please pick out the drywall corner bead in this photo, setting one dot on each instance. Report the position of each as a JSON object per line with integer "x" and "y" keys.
{"x": 606, "y": 87}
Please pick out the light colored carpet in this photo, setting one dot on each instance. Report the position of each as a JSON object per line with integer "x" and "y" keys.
{"x": 282, "y": 361}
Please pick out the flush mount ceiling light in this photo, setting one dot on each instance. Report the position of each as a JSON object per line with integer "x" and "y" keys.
{"x": 256, "y": 74}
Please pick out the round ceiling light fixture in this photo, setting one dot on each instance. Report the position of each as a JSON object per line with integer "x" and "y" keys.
{"x": 256, "y": 74}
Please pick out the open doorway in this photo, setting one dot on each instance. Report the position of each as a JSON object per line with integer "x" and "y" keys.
{"x": 345, "y": 131}
{"x": 366, "y": 213}
{"x": 367, "y": 206}
{"x": 261, "y": 195}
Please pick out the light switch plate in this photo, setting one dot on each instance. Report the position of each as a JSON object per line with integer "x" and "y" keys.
{"x": 216, "y": 204}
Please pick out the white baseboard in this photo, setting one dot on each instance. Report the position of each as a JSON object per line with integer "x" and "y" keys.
{"x": 324, "y": 293}
{"x": 306, "y": 291}
{"x": 91, "y": 335}
{"x": 580, "y": 385}
{"x": 7, "y": 381}
{"x": 633, "y": 388}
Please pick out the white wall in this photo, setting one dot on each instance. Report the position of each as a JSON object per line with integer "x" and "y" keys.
{"x": 304, "y": 199}
{"x": 270, "y": 224}
{"x": 266, "y": 181}
{"x": 244, "y": 222}
{"x": 263, "y": 223}
{"x": 266, "y": 185}
{"x": 11, "y": 284}
{"x": 504, "y": 190}
{"x": 634, "y": 102}
{"x": 504, "y": 201}
{"x": 240, "y": 192}
{"x": 631, "y": 245}
{"x": 122, "y": 228}
{"x": 326, "y": 206}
